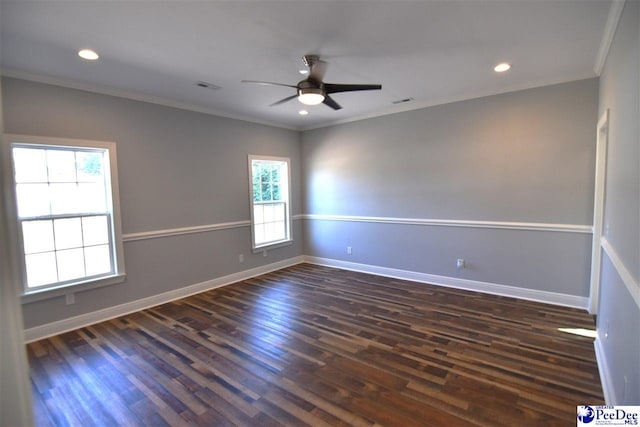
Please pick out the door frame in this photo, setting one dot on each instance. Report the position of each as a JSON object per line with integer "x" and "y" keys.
{"x": 602, "y": 142}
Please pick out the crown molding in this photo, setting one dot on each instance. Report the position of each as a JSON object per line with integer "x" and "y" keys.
{"x": 615, "y": 12}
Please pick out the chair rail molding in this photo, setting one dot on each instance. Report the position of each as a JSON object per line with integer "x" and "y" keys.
{"x": 504, "y": 225}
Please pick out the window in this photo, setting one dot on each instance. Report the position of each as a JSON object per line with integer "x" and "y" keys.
{"x": 270, "y": 213}
{"x": 68, "y": 230}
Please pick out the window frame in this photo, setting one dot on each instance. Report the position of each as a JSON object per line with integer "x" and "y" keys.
{"x": 288, "y": 240}
{"x": 9, "y": 141}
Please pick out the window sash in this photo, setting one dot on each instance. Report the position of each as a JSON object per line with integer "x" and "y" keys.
{"x": 276, "y": 227}
{"x": 56, "y": 249}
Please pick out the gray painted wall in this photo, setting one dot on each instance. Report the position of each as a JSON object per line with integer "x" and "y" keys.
{"x": 618, "y": 314}
{"x": 526, "y": 156}
{"x": 176, "y": 169}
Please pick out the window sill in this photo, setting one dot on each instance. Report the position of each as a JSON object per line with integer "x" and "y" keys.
{"x": 71, "y": 288}
{"x": 270, "y": 246}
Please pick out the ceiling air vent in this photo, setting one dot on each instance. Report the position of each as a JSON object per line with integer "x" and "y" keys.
{"x": 402, "y": 101}
{"x": 208, "y": 85}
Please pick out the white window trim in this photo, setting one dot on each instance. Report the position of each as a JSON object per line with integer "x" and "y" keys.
{"x": 279, "y": 243}
{"x": 15, "y": 235}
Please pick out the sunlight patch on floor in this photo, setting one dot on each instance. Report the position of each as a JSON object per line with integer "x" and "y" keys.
{"x": 590, "y": 333}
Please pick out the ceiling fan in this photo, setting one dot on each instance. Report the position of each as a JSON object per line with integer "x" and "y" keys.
{"x": 312, "y": 90}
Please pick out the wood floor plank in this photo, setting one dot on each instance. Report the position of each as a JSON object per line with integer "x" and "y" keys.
{"x": 318, "y": 346}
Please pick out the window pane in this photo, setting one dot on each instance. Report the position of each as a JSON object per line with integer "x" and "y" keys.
{"x": 255, "y": 172}
{"x": 278, "y": 230}
{"x": 61, "y": 165}
{"x": 266, "y": 191}
{"x": 256, "y": 192}
{"x": 278, "y": 212}
{"x": 33, "y": 200}
{"x": 265, "y": 173}
{"x": 258, "y": 214}
{"x": 64, "y": 198}
{"x": 276, "y": 192}
{"x": 259, "y": 233}
{"x": 275, "y": 174}
{"x": 97, "y": 260}
{"x": 37, "y": 236}
{"x": 68, "y": 233}
{"x": 30, "y": 165}
{"x": 95, "y": 230}
{"x": 90, "y": 166}
{"x": 268, "y": 213}
{"x": 70, "y": 264}
{"x": 91, "y": 198}
{"x": 41, "y": 269}
{"x": 269, "y": 232}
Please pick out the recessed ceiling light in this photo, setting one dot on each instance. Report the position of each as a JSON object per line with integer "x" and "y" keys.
{"x": 502, "y": 67}
{"x": 88, "y": 54}
{"x": 303, "y": 112}
{"x": 303, "y": 71}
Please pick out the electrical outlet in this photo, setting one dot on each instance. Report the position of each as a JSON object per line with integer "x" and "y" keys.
{"x": 459, "y": 263}
{"x": 349, "y": 250}
{"x": 264, "y": 254}
{"x": 241, "y": 258}
{"x": 70, "y": 299}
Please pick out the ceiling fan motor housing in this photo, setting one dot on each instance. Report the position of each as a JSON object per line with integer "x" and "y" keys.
{"x": 310, "y": 86}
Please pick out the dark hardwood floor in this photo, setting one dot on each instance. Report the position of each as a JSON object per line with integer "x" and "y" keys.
{"x": 310, "y": 345}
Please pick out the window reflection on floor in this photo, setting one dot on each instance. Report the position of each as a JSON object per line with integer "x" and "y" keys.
{"x": 589, "y": 333}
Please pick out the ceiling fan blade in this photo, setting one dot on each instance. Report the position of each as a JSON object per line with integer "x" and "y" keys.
{"x": 331, "y": 103}
{"x": 283, "y": 100}
{"x": 336, "y": 87}
{"x": 267, "y": 83}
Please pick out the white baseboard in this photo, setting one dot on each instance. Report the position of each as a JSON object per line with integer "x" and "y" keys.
{"x": 66, "y": 325}
{"x": 453, "y": 282}
{"x": 605, "y": 375}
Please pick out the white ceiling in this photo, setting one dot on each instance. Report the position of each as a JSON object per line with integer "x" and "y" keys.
{"x": 432, "y": 51}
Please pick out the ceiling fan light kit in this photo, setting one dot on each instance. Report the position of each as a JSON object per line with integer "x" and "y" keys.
{"x": 310, "y": 96}
{"x": 312, "y": 90}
